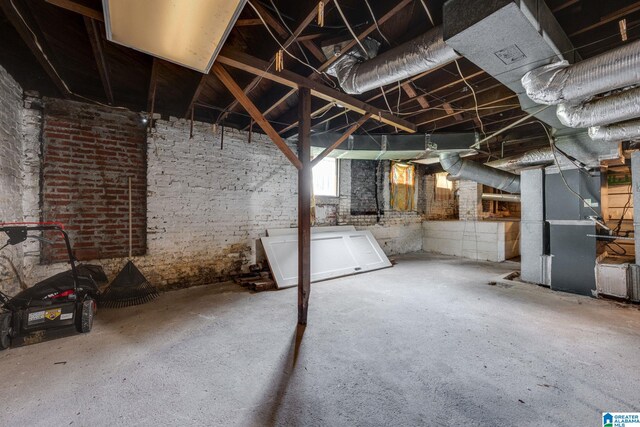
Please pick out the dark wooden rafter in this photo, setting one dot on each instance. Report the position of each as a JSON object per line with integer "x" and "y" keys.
{"x": 404, "y": 103}
{"x": 371, "y": 28}
{"x": 340, "y": 140}
{"x": 15, "y": 17}
{"x": 153, "y": 86}
{"x": 619, "y": 14}
{"x": 261, "y": 68}
{"x": 255, "y": 114}
{"x": 305, "y": 181}
{"x": 248, "y": 22}
{"x": 78, "y": 8}
{"x": 97, "y": 46}
{"x": 196, "y": 94}
{"x": 437, "y": 111}
{"x": 290, "y": 39}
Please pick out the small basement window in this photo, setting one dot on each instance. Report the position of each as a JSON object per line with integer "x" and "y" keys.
{"x": 325, "y": 178}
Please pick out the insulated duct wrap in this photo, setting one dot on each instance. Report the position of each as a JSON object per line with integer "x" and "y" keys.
{"x": 421, "y": 54}
{"x": 610, "y": 109}
{"x": 625, "y": 131}
{"x": 539, "y": 157}
{"x": 485, "y": 175}
{"x": 560, "y": 82}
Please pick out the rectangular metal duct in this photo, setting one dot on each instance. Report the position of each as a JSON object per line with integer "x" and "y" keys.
{"x": 508, "y": 38}
{"x": 532, "y": 226}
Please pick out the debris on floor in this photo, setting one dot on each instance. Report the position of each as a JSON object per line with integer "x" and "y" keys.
{"x": 259, "y": 279}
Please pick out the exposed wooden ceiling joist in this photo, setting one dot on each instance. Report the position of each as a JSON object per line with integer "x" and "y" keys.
{"x": 371, "y": 28}
{"x": 78, "y": 8}
{"x": 96, "y": 40}
{"x": 292, "y": 38}
{"x": 261, "y": 68}
{"x": 16, "y": 19}
{"x": 253, "y": 111}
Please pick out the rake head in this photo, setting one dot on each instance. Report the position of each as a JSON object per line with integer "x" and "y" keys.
{"x": 129, "y": 288}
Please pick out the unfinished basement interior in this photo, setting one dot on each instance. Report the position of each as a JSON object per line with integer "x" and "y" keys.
{"x": 319, "y": 213}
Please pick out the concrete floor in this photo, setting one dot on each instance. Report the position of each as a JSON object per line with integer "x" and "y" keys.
{"x": 427, "y": 342}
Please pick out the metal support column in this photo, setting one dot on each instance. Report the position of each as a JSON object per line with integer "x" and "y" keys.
{"x": 305, "y": 179}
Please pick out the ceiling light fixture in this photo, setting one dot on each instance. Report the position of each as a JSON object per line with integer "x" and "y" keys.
{"x": 189, "y": 33}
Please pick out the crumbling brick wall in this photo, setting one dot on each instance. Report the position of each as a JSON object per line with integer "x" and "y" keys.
{"x": 90, "y": 152}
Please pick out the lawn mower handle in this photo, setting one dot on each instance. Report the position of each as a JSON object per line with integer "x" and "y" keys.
{"x": 45, "y": 226}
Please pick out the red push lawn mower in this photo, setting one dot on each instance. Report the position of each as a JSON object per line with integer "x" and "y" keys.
{"x": 64, "y": 300}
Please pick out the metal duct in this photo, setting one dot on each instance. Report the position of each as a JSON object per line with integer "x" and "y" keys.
{"x": 508, "y": 38}
{"x": 539, "y": 157}
{"x": 625, "y": 131}
{"x": 421, "y": 54}
{"x": 510, "y": 198}
{"x": 560, "y": 82}
{"x": 610, "y": 109}
{"x": 485, "y": 175}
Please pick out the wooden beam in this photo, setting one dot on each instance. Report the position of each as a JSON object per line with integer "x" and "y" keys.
{"x": 403, "y": 103}
{"x": 468, "y": 96}
{"x": 303, "y": 25}
{"x": 305, "y": 181}
{"x": 25, "y": 33}
{"x": 315, "y": 50}
{"x": 564, "y": 5}
{"x": 271, "y": 20}
{"x": 196, "y": 94}
{"x": 153, "y": 84}
{"x": 397, "y": 8}
{"x": 248, "y": 22}
{"x": 253, "y": 111}
{"x": 261, "y": 68}
{"x": 340, "y": 140}
{"x": 609, "y": 18}
{"x": 412, "y": 94}
{"x": 95, "y": 38}
{"x": 78, "y": 8}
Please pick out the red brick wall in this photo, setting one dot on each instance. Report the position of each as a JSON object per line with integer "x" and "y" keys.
{"x": 89, "y": 154}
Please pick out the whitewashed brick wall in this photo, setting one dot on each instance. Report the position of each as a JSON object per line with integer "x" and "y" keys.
{"x": 206, "y": 207}
{"x": 10, "y": 176}
{"x": 469, "y": 200}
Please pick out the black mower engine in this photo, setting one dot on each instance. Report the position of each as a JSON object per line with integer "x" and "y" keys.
{"x": 67, "y": 299}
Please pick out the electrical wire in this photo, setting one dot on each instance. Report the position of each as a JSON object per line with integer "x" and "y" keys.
{"x": 53, "y": 68}
{"x": 426, "y": 9}
{"x": 375, "y": 21}
{"x": 475, "y": 100}
{"x": 284, "y": 48}
{"x": 557, "y": 163}
{"x": 344, "y": 18}
{"x": 290, "y": 32}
